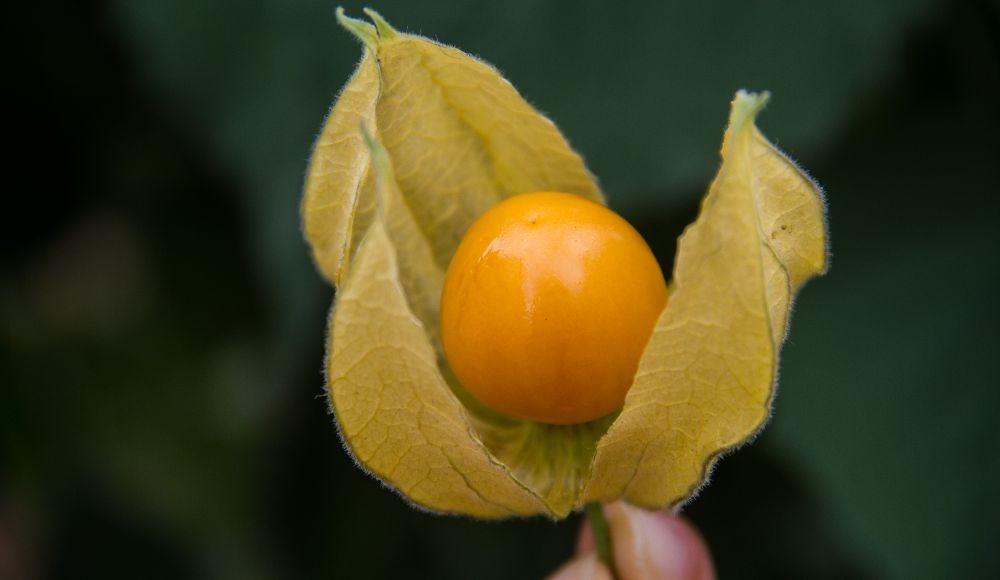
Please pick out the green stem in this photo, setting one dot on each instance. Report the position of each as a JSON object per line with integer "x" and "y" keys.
{"x": 602, "y": 535}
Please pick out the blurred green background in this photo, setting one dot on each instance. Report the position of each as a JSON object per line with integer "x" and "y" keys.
{"x": 161, "y": 397}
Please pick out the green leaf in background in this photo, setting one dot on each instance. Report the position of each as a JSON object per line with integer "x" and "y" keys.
{"x": 160, "y": 392}
{"x": 895, "y": 420}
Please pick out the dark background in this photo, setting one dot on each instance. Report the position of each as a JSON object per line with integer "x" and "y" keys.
{"x": 161, "y": 397}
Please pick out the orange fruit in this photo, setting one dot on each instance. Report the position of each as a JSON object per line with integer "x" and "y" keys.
{"x": 547, "y": 306}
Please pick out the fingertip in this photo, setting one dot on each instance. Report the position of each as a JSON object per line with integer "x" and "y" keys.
{"x": 699, "y": 557}
{"x": 652, "y": 545}
{"x": 698, "y": 562}
{"x": 586, "y": 567}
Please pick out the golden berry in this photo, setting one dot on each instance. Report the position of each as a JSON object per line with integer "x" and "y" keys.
{"x": 547, "y": 306}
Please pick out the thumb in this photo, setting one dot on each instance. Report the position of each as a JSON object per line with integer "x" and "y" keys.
{"x": 656, "y": 545}
{"x": 647, "y": 546}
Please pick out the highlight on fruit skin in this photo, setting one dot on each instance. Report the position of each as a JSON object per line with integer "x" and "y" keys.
{"x": 384, "y": 213}
{"x": 547, "y": 305}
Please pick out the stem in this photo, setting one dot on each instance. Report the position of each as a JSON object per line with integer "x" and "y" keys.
{"x": 602, "y": 535}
